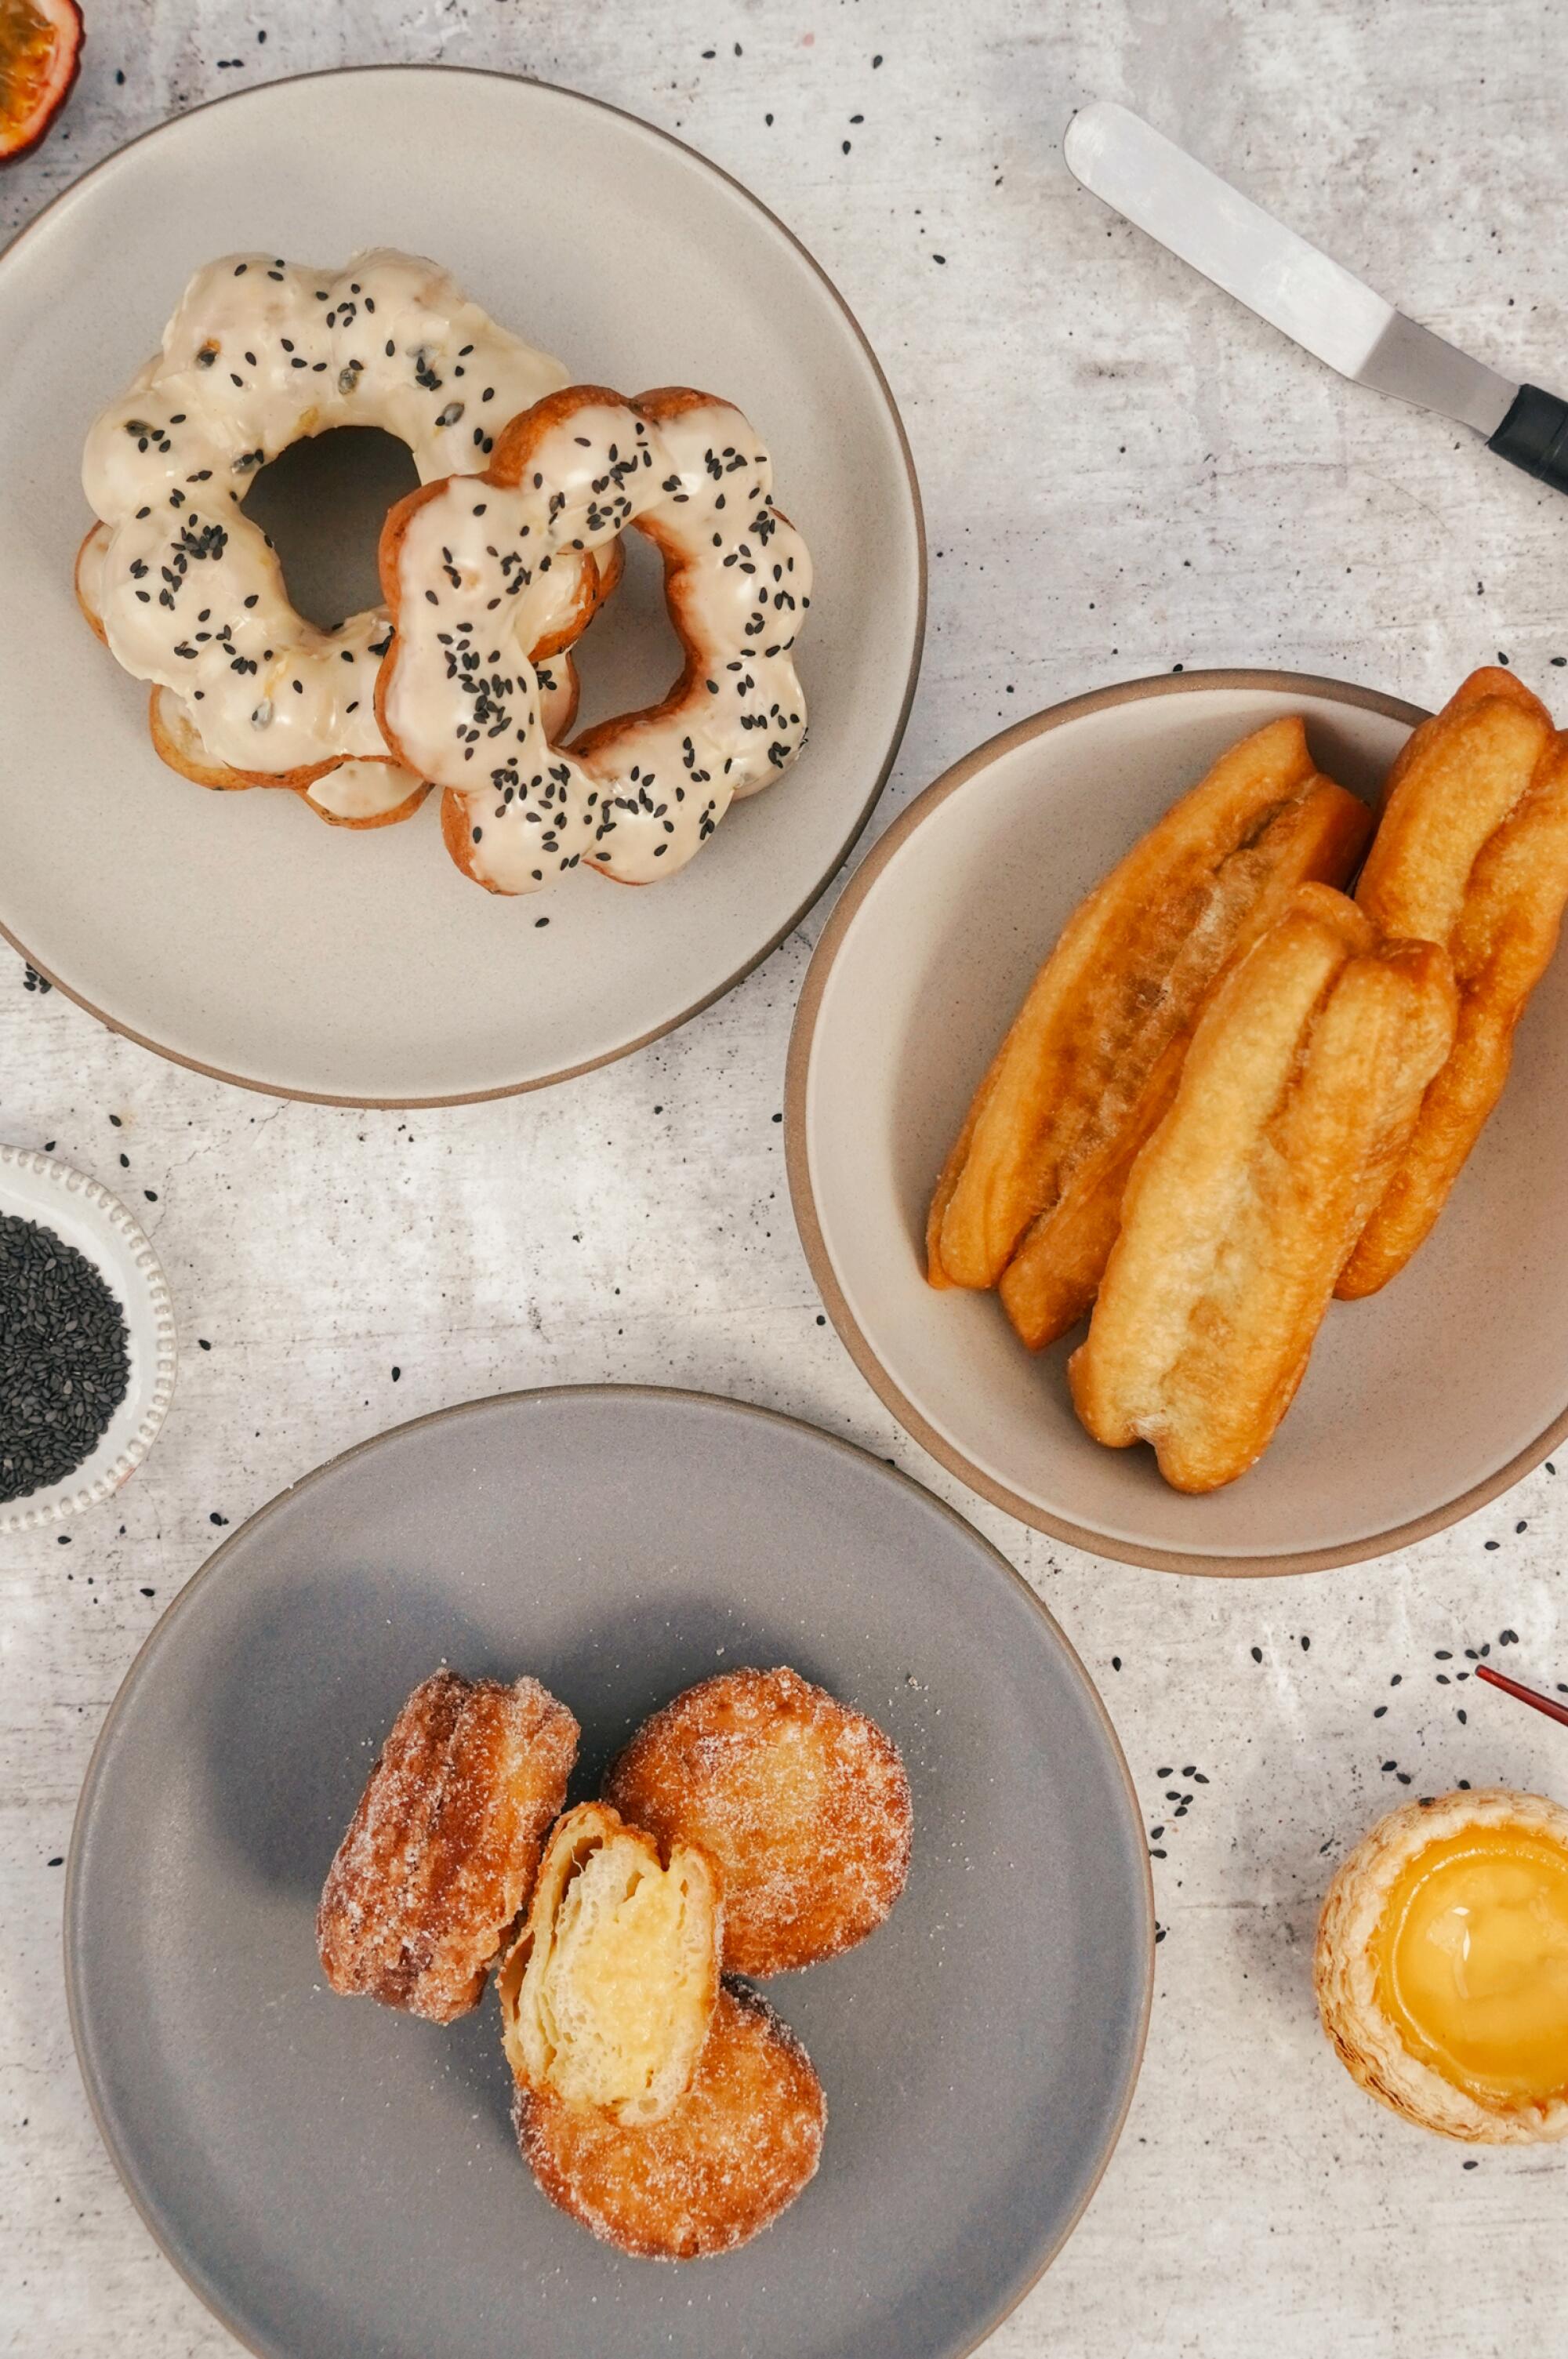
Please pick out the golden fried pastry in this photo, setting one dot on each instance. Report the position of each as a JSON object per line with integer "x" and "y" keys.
{"x": 1297, "y": 1096}
{"x": 738, "y": 2147}
{"x": 608, "y": 1993}
{"x": 440, "y": 1857}
{"x": 1095, "y": 1052}
{"x": 800, "y": 1802}
{"x": 1442, "y": 1966}
{"x": 1471, "y": 852}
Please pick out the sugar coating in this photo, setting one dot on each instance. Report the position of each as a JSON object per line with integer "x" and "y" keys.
{"x": 801, "y": 1801}
{"x": 738, "y": 2147}
{"x": 440, "y": 1857}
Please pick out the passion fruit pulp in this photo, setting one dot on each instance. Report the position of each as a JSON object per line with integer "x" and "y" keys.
{"x": 40, "y": 51}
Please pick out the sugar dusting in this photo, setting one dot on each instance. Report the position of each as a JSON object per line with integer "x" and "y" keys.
{"x": 440, "y": 1856}
{"x": 736, "y": 2150}
{"x": 803, "y": 1800}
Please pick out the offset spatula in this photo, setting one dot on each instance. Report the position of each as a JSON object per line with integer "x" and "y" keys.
{"x": 1160, "y": 188}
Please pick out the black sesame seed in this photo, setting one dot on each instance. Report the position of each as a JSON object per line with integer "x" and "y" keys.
{"x": 64, "y": 1363}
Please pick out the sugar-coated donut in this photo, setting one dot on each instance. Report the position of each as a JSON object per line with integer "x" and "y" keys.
{"x": 470, "y": 566}
{"x": 440, "y": 1857}
{"x": 801, "y": 1801}
{"x": 187, "y": 589}
{"x": 735, "y": 2149}
{"x": 608, "y": 1992}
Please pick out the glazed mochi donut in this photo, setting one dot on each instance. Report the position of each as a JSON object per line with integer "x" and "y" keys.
{"x": 364, "y": 790}
{"x": 470, "y": 567}
{"x": 187, "y": 591}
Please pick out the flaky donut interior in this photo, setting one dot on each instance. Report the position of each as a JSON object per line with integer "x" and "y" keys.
{"x": 607, "y": 1997}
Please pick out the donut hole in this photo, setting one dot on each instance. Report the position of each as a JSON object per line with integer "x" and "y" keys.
{"x": 323, "y": 502}
{"x": 631, "y": 656}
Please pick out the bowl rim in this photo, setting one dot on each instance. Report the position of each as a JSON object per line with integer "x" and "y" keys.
{"x": 120, "y": 1250}
{"x": 803, "y": 1200}
{"x": 841, "y": 853}
{"x": 159, "y": 1636}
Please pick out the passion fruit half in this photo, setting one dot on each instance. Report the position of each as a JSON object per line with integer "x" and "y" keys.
{"x": 41, "y": 50}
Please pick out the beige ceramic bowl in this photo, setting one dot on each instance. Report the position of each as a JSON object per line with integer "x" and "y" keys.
{"x": 1419, "y": 1404}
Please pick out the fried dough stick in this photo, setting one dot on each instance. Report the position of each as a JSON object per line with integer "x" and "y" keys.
{"x": 1088, "y": 1066}
{"x": 1050, "y": 1282}
{"x": 1472, "y": 852}
{"x": 1298, "y": 1095}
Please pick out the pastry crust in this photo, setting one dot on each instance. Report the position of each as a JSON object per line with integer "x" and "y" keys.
{"x": 801, "y": 1801}
{"x": 87, "y": 578}
{"x": 608, "y": 1993}
{"x": 1472, "y": 853}
{"x": 1345, "y": 1975}
{"x": 1094, "y": 1054}
{"x": 739, "y": 2146}
{"x": 1297, "y": 1096}
{"x": 440, "y": 1856}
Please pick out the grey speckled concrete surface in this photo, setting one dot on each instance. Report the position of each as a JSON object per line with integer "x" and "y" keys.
{"x": 1122, "y": 473}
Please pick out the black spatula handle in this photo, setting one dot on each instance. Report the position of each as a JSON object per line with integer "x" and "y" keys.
{"x": 1534, "y": 435}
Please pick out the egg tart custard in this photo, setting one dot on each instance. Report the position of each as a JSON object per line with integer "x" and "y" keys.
{"x": 1442, "y": 1965}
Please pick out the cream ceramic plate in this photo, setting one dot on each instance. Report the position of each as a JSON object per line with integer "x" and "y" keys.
{"x": 36, "y": 1188}
{"x": 1419, "y": 1404}
{"x": 236, "y": 932}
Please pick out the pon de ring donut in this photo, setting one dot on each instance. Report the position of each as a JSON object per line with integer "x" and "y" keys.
{"x": 469, "y": 567}
{"x": 187, "y": 591}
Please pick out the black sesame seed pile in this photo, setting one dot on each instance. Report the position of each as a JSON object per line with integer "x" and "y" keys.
{"x": 64, "y": 1357}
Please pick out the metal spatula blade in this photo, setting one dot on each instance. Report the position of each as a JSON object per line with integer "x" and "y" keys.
{"x": 1304, "y": 292}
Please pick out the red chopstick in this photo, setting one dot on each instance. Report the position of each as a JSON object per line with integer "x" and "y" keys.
{"x": 1532, "y": 1696}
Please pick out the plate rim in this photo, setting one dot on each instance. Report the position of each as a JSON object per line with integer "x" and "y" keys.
{"x": 159, "y": 1635}
{"x": 1204, "y": 1562}
{"x": 901, "y": 440}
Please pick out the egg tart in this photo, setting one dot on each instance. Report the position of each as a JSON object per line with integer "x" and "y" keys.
{"x": 1442, "y": 1966}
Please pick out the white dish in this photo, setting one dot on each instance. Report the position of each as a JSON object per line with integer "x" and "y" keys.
{"x": 1421, "y": 1404}
{"x": 235, "y": 932}
{"x": 81, "y": 1214}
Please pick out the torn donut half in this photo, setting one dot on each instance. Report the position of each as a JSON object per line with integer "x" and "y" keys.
{"x": 608, "y": 1993}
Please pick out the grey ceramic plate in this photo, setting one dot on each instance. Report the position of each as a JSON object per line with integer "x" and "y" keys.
{"x": 235, "y": 932}
{"x": 333, "y": 2178}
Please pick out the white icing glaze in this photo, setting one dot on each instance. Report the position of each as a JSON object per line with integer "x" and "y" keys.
{"x": 636, "y": 797}
{"x": 361, "y": 789}
{"x": 259, "y": 354}
{"x": 370, "y": 789}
